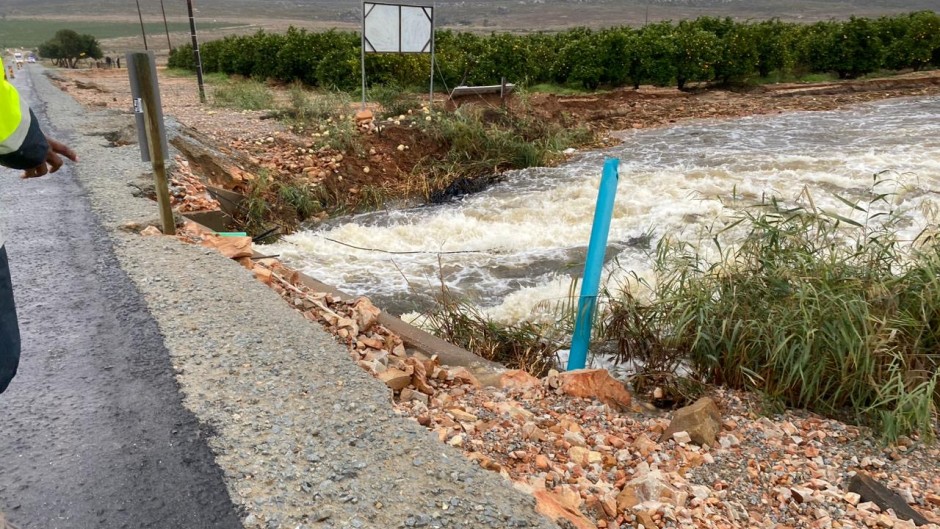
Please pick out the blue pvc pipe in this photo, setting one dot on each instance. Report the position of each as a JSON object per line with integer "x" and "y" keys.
{"x": 594, "y": 264}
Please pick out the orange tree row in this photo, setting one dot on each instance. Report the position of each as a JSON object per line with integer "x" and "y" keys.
{"x": 702, "y": 50}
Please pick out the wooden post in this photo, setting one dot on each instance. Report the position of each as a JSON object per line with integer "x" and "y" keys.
{"x": 143, "y": 69}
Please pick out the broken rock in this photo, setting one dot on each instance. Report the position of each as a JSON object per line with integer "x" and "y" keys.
{"x": 873, "y": 491}
{"x": 518, "y": 380}
{"x": 364, "y": 116}
{"x": 700, "y": 420}
{"x": 595, "y": 384}
{"x": 366, "y": 313}
{"x": 552, "y": 505}
{"x": 395, "y": 378}
{"x": 231, "y": 247}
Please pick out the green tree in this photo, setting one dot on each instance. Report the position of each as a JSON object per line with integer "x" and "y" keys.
{"x": 916, "y": 40}
{"x": 855, "y": 48}
{"x": 773, "y": 40}
{"x": 619, "y": 57}
{"x": 738, "y": 54}
{"x": 339, "y": 69}
{"x": 583, "y": 59}
{"x": 814, "y": 51}
{"x": 67, "y": 47}
{"x": 458, "y": 56}
{"x": 695, "y": 53}
{"x": 655, "y": 53}
{"x": 567, "y": 54}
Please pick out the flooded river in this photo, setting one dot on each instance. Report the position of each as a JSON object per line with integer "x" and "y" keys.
{"x": 518, "y": 245}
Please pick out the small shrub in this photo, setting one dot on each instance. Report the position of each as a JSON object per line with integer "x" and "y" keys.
{"x": 301, "y": 198}
{"x": 813, "y": 309}
{"x": 395, "y": 100}
{"x": 481, "y": 142}
{"x": 243, "y": 95}
{"x": 341, "y": 135}
{"x": 523, "y": 346}
{"x": 308, "y": 107}
{"x": 256, "y": 209}
{"x": 371, "y": 198}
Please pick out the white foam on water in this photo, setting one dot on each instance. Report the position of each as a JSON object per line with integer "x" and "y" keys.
{"x": 515, "y": 248}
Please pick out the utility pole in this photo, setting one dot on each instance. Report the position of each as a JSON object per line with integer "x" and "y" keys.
{"x": 169, "y": 46}
{"x": 192, "y": 30}
{"x": 143, "y": 32}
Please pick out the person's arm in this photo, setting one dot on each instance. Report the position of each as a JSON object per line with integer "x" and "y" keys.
{"x": 22, "y": 142}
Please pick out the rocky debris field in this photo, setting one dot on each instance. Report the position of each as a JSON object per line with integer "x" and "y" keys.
{"x": 592, "y": 457}
{"x": 306, "y": 447}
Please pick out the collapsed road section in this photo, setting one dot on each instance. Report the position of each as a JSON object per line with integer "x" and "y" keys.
{"x": 302, "y": 435}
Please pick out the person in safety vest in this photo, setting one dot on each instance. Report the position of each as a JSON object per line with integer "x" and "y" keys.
{"x": 22, "y": 146}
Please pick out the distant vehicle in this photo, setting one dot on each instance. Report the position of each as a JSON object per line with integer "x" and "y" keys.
{"x": 18, "y": 58}
{"x": 31, "y": 58}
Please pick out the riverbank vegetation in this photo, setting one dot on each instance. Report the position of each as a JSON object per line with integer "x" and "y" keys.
{"x": 691, "y": 51}
{"x": 812, "y": 309}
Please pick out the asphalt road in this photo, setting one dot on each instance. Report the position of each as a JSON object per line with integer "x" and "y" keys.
{"x": 93, "y": 433}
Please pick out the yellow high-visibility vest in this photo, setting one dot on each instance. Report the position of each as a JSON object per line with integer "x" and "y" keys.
{"x": 14, "y": 117}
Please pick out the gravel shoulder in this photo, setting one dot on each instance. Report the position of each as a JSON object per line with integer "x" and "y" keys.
{"x": 304, "y": 437}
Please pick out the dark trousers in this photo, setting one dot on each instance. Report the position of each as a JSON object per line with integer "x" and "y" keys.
{"x": 9, "y": 328}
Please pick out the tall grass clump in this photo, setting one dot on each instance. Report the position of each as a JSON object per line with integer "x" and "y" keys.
{"x": 480, "y": 142}
{"x": 525, "y": 345}
{"x": 813, "y": 309}
{"x": 243, "y": 95}
{"x": 269, "y": 201}
{"x": 305, "y": 106}
{"x": 394, "y": 99}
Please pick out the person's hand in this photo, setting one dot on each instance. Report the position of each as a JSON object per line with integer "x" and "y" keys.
{"x": 53, "y": 160}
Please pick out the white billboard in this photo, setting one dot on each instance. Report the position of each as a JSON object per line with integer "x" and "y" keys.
{"x": 397, "y": 28}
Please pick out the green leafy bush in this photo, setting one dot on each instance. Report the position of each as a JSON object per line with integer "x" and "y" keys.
{"x": 243, "y": 95}
{"x": 703, "y": 50}
{"x": 812, "y": 309}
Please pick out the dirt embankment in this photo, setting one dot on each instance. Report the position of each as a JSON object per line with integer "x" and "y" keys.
{"x": 239, "y": 145}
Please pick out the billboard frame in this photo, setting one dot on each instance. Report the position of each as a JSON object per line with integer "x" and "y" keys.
{"x": 428, "y": 11}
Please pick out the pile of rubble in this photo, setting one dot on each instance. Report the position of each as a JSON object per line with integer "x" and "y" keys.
{"x": 301, "y": 154}
{"x": 372, "y": 346}
{"x": 594, "y": 458}
{"x": 187, "y": 191}
{"x": 597, "y": 465}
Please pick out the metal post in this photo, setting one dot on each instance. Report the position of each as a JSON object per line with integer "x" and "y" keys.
{"x": 431, "y": 96}
{"x": 196, "y": 55}
{"x": 362, "y": 59}
{"x": 593, "y": 265}
{"x": 143, "y": 32}
{"x": 169, "y": 45}
{"x": 144, "y": 70}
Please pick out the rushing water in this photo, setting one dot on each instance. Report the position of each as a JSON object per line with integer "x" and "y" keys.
{"x": 518, "y": 244}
